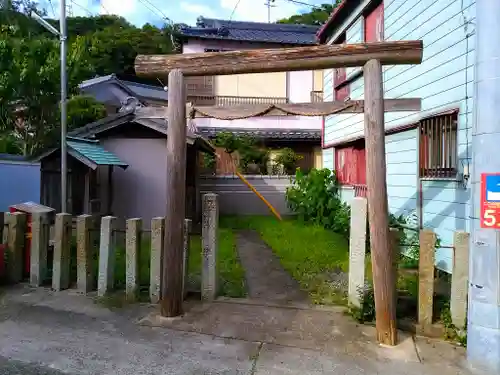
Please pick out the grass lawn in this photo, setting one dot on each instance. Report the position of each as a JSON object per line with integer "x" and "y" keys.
{"x": 231, "y": 274}
{"x": 309, "y": 253}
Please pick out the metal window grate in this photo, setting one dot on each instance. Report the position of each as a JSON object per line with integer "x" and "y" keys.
{"x": 438, "y": 146}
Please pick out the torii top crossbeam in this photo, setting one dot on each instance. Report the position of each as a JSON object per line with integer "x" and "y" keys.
{"x": 280, "y": 60}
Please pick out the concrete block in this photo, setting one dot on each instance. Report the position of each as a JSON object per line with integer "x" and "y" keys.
{"x": 187, "y": 233}
{"x": 107, "y": 256}
{"x": 40, "y": 229}
{"x": 210, "y": 224}
{"x": 62, "y": 245}
{"x": 133, "y": 234}
{"x": 157, "y": 240}
{"x": 357, "y": 250}
{"x": 85, "y": 278}
{"x": 426, "y": 278}
{"x": 460, "y": 279}
{"x": 16, "y": 238}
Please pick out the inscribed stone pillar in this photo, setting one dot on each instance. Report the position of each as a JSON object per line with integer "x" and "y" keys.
{"x": 132, "y": 251}
{"x": 62, "y": 245}
{"x": 357, "y": 251}
{"x": 157, "y": 240}
{"x": 85, "y": 278}
{"x": 209, "y": 228}
{"x": 16, "y": 238}
{"x": 460, "y": 279}
{"x": 426, "y": 278}
{"x": 106, "y": 256}
{"x": 187, "y": 233}
{"x": 40, "y": 230}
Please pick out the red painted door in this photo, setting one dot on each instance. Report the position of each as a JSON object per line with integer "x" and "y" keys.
{"x": 350, "y": 164}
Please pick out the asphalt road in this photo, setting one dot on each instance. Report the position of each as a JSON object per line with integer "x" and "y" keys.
{"x": 10, "y": 367}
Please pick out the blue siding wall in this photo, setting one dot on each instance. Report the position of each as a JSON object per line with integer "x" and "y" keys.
{"x": 328, "y": 158}
{"x": 402, "y": 181}
{"x": 19, "y": 182}
{"x": 444, "y": 80}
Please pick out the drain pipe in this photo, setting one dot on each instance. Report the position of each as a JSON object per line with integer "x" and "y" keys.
{"x": 483, "y": 344}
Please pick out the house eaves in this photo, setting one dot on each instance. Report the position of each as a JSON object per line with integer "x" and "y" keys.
{"x": 92, "y": 130}
{"x": 278, "y": 134}
{"x": 339, "y": 14}
{"x": 126, "y": 89}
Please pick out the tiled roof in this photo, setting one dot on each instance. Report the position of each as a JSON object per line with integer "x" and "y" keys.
{"x": 268, "y": 133}
{"x": 140, "y": 90}
{"x": 115, "y": 119}
{"x": 92, "y": 151}
{"x": 208, "y": 28}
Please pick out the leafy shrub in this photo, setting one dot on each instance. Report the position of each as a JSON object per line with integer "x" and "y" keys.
{"x": 314, "y": 197}
{"x": 287, "y": 158}
{"x": 250, "y": 153}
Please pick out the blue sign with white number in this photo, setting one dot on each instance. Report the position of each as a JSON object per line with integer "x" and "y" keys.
{"x": 492, "y": 187}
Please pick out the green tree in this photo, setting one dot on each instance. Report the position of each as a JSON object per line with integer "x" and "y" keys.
{"x": 317, "y": 16}
{"x": 83, "y": 109}
{"x": 113, "y": 50}
{"x": 30, "y": 70}
{"x": 30, "y": 87}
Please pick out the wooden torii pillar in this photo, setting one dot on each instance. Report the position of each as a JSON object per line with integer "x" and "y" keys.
{"x": 370, "y": 55}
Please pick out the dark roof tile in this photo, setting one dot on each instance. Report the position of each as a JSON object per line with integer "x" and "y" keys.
{"x": 208, "y": 28}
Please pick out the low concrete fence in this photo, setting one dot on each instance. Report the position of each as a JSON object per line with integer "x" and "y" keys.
{"x": 96, "y": 238}
{"x": 426, "y": 268}
{"x": 237, "y": 199}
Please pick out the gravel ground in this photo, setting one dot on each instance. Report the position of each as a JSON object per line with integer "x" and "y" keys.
{"x": 10, "y": 367}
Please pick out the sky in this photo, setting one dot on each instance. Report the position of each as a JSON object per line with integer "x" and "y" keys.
{"x": 140, "y": 12}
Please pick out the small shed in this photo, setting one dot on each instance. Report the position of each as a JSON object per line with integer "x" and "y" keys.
{"x": 117, "y": 166}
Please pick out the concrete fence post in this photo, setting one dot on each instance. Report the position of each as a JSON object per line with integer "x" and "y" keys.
{"x": 157, "y": 240}
{"x": 426, "y": 278}
{"x": 357, "y": 251}
{"x": 107, "y": 256}
{"x": 209, "y": 228}
{"x": 187, "y": 233}
{"x": 62, "y": 246}
{"x": 40, "y": 230}
{"x": 133, "y": 237}
{"x": 85, "y": 277}
{"x": 460, "y": 279}
{"x": 16, "y": 238}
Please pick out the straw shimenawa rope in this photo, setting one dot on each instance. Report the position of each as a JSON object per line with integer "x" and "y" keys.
{"x": 242, "y": 112}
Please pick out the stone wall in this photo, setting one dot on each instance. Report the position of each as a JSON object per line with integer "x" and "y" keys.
{"x": 235, "y": 198}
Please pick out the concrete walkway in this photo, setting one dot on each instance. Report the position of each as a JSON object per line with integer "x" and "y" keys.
{"x": 44, "y": 332}
{"x": 266, "y": 278}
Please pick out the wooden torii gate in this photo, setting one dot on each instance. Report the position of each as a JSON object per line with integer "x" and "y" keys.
{"x": 371, "y": 56}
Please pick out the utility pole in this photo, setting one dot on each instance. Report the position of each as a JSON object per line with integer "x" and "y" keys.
{"x": 62, "y": 34}
{"x": 483, "y": 323}
{"x": 64, "y": 83}
{"x": 269, "y": 5}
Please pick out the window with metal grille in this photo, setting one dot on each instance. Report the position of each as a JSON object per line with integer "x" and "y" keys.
{"x": 438, "y": 146}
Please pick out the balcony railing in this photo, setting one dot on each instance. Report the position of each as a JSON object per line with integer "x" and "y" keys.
{"x": 217, "y": 100}
{"x": 316, "y": 96}
{"x": 360, "y": 190}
